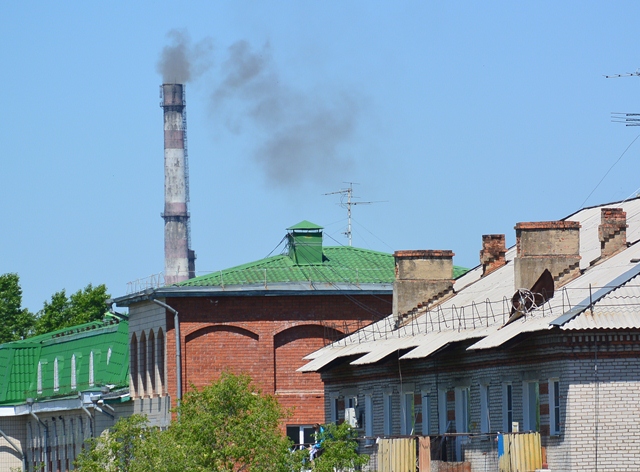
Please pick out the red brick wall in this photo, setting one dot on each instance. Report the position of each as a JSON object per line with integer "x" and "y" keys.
{"x": 266, "y": 337}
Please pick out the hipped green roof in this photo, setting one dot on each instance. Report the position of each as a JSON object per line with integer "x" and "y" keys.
{"x": 106, "y": 341}
{"x": 340, "y": 265}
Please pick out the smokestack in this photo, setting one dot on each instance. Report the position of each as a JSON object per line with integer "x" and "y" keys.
{"x": 179, "y": 259}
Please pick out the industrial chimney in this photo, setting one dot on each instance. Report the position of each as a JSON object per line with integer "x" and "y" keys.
{"x": 179, "y": 259}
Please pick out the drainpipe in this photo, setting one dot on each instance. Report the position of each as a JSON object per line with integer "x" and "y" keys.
{"x": 22, "y": 456}
{"x": 46, "y": 434}
{"x": 176, "y": 322}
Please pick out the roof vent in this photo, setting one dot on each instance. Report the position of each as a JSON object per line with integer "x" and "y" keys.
{"x": 305, "y": 243}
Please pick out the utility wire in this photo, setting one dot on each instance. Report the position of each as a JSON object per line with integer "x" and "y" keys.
{"x": 607, "y": 173}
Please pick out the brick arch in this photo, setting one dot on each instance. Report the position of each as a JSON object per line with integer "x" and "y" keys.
{"x": 290, "y": 346}
{"x": 213, "y": 349}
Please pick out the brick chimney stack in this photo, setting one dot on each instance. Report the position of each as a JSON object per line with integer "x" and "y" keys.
{"x": 421, "y": 277}
{"x": 492, "y": 255}
{"x": 553, "y": 245}
{"x": 612, "y": 231}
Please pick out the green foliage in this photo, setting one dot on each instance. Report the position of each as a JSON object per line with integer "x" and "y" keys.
{"x": 84, "y": 306}
{"x": 115, "y": 450}
{"x": 339, "y": 450}
{"x": 15, "y": 322}
{"x": 227, "y": 426}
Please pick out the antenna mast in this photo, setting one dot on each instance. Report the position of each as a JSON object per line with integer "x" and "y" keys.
{"x": 346, "y": 196}
{"x": 629, "y": 119}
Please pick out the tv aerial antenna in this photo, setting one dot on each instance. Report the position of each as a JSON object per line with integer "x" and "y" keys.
{"x": 346, "y": 201}
{"x": 629, "y": 119}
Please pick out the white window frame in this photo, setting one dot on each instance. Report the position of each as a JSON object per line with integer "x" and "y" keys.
{"x": 426, "y": 414}
{"x": 91, "y": 370}
{"x": 507, "y": 406}
{"x": 388, "y": 413}
{"x": 407, "y": 423}
{"x": 485, "y": 419}
{"x": 39, "y": 380}
{"x": 530, "y": 406}
{"x": 56, "y": 376}
{"x": 74, "y": 380}
{"x": 554, "y": 407}
{"x": 442, "y": 410}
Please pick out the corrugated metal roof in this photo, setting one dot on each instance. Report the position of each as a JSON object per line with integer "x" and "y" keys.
{"x": 108, "y": 340}
{"x": 482, "y": 305}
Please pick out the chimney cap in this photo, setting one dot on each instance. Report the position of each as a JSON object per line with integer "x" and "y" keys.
{"x": 562, "y": 224}
{"x": 425, "y": 253}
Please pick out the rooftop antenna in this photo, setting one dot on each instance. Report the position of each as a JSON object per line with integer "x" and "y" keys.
{"x": 346, "y": 201}
{"x": 629, "y": 119}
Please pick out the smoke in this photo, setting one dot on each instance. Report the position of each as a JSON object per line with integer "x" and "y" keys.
{"x": 181, "y": 61}
{"x": 303, "y": 135}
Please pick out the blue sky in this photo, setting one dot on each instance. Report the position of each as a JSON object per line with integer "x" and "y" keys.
{"x": 460, "y": 118}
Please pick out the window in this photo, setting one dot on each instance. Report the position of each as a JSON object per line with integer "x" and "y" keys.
{"x": 388, "y": 413}
{"x": 56, "y": 378}
{"x": 531, "y": 406}
{"x": 485, "y": 424}
{"x": 91, "y": 372}
{"x": 39, "y": 381}
{"x": 368, "y": 415}
{"x": 507, "y": 407}
{"x": 443, "y": 423}
{"x": 463, "y": 420}
{"x": 334, "y": 407}
{"x": 74, "y": 382}
{"x": 301, "y": 436}
{"x": 350, "y": 412}
{"x": 407, "y": 425}
{"x": 554, "y": 406}
{"x": 426, "y": 414}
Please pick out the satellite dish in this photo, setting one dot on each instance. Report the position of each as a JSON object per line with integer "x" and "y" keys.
{"x": 525, "y": 301}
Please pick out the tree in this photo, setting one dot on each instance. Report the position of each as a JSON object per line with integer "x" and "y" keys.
{"x": 227, "y": 426}
{"x": 15, "y": 322}
{"x": 84, "y": 306}
{"x": 338, "y": 451}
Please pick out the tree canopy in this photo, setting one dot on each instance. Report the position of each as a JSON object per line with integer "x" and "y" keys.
{"x": 83, "y": 306}
{"x": 227, "y": 426}
{"x": 15, "y": 322}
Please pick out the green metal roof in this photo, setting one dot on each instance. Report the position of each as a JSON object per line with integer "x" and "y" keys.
{"x": 105, "y": 341}
{"x": 340, "y": 265}
{"x": 304, "y": 225}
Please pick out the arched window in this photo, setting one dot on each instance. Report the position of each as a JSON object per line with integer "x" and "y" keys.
{"x": 160, "y": 362}
{"x": 133, "y": 365}
{"x": 92, "y": 380}
{"x": 151, "y": 360}
{"x": 39, "y": 387}
{"x": 142, "y": 362}
{"x": 56, "y": 377}
{"x": 73, "y": 373}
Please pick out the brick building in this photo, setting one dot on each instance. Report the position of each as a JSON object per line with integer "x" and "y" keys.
{"x": 261, "y": 318}
{"x": 543, "y": 336}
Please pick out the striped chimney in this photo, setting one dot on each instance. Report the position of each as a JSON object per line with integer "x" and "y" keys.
{"x": 179, "y": 259}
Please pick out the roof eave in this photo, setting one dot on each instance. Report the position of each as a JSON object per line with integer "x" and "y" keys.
{"x": 252, "y": 290}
